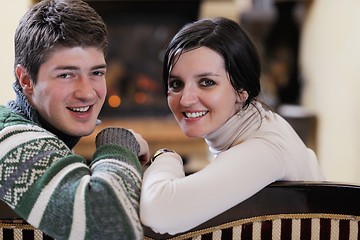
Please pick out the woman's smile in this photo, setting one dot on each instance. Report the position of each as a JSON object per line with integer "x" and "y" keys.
{"x": 192, "y": 115}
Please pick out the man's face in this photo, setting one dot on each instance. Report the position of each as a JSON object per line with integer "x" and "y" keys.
{"x": 71, "y": 89}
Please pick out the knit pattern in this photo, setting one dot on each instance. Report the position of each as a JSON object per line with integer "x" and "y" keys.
{"x": 119, "y": 136}
{"x": 57, "y": 192}
{"x": 22, "y": 166}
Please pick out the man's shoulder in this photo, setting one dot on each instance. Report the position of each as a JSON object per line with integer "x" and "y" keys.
{"x": 4, "y": 113}
{"x": 3, "y": 108}
{"x": 8, "y": 118}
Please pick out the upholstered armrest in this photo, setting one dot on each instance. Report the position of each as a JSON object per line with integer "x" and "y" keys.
{"x": 12, "y": 227}
{"x": 304, "y": 210}
{"x": 18, "y": 229}
{"x": 285, "y": 209}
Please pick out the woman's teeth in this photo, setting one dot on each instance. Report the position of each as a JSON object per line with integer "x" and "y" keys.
{"x": 195, "y": 114}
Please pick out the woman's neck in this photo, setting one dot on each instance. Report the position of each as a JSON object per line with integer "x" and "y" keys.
{"x": 235, "y": 129}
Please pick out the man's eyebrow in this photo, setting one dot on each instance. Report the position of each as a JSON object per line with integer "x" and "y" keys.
{"x": 99, "y": 66}
{"x": 65, "y": 67}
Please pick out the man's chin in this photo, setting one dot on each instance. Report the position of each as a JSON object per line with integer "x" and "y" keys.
{"x": 80, "y": 131}
{"x": 85, "y": 133}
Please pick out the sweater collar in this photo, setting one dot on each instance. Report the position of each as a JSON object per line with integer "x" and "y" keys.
{"x": 236, "y": 129}
{"x": 22, "y": 107}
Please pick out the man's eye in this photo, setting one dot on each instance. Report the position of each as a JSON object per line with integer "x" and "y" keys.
{"x": 99, "y": 73}
{"x": 64, "y": 75}
{"x": 207, "y": 82}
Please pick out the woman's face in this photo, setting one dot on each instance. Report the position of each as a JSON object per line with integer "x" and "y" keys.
{"x": 199, "y": 92}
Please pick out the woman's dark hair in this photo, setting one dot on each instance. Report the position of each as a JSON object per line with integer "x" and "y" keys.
{"x": 227, "y": 38}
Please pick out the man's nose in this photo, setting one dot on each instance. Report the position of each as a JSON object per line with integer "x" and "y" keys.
{"x": 84, "y": 89}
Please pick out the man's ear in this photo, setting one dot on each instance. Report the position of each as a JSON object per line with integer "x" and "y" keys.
{"x": 24, "y": 79}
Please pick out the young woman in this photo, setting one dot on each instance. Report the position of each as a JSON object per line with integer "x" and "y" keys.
{"x": 212, "y": 79}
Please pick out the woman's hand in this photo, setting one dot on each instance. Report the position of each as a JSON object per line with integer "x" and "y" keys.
{"x": 144, "y": 154}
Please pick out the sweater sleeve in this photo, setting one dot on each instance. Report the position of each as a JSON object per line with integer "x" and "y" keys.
{"x": 59, "y": 193}
{"x": 172, "y": 203}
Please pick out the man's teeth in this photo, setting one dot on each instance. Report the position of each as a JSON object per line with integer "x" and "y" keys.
{"x": 195, "y": 114}
{"x": 80, "y": 109}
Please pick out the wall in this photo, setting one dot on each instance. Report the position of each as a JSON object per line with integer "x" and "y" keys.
{"x": 226, "y": 8}
{"x": 330, "y": 60}
{"x": 9, "y": 17}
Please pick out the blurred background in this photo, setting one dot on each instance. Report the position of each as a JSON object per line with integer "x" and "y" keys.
{"x": 311, "y": 68}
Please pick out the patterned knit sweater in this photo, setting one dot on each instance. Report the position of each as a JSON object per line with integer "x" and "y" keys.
{"x": 58, "y": 192}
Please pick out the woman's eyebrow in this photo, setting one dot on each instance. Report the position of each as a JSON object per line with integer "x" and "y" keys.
{"x": 206, "y": 74}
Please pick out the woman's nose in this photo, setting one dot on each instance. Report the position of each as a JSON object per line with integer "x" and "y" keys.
{"x": 84, "y": 89}
{"x": 189, "y": 96}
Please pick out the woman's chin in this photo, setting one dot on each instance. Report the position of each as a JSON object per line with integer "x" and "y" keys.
{"x": 193, "y": 134}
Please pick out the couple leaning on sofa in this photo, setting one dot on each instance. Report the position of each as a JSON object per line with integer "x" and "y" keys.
{"x": 211, "y": 80}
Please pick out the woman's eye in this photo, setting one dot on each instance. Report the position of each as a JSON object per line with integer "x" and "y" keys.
{"x": 207, "y": 82}
{"x": 175, "y": 84}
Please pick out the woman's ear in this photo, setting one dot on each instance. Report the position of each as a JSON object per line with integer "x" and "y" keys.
{"x": 242, "y": 96}
{"x": 24, "y": 79}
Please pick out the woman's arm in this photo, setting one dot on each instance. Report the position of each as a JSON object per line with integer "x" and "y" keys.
{"x": 172, "y": 203}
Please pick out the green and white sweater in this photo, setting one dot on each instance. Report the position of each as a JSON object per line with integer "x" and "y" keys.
{"x": 57, "y": 191}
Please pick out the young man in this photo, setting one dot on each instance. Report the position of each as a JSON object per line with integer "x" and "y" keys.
{"x": 60, "y": 67}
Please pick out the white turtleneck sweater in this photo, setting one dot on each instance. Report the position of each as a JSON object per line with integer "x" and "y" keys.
{"x": 251, "y": 151}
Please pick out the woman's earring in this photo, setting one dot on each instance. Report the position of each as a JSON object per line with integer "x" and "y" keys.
{"x": 240, "y": 113}
{"x": 243, "y": 96}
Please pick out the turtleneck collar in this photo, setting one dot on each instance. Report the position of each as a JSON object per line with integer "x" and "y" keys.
{"x": 22, "y": 107}
{"x": 236, "y": 128}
